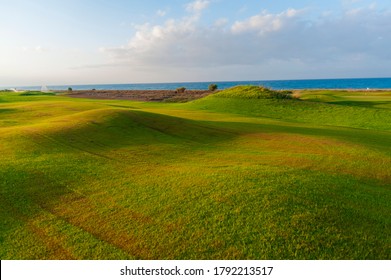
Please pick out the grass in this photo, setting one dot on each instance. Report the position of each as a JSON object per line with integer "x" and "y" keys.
{"x": 224, "y": 177}
{"x": 321, "y": 107}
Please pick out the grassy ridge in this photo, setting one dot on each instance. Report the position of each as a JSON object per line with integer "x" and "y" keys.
{"x": 218, "y": 178}
{"x": 253, "y": 92}
{"x": 360, "y": 111}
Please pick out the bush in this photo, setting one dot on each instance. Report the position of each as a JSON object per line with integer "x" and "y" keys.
{"x": 180, "y": 90}
{"x": 69, "y": 89}
{"x": 212, "y": 87}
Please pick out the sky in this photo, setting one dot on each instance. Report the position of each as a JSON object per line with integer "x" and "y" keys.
{"x": 53, "y": 42}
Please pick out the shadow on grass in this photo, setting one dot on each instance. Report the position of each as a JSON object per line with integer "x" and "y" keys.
{"x": 7, "y": 111}
{"x": 372, "y": 138}
{"x": 127, "y": 128}
{"x": 131, "y": 128}
{"x": 25, "y": 193}
{"x": 364, "y": 104}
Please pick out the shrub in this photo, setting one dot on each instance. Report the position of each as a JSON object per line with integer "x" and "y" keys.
{"x": 212, "y": 87}
{"x": 180, "y": 90}
{"x": 69, "y": 89}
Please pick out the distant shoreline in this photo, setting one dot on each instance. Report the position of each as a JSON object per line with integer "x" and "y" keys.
{"x": 340, "y": 84}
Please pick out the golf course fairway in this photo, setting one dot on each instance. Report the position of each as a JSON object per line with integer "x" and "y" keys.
{"x": 235, "y": 175}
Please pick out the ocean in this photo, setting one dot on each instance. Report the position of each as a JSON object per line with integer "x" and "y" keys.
{"x": 357, "y": 83}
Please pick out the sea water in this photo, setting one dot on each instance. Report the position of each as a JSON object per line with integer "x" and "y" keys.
{"x": 358, "y": 83}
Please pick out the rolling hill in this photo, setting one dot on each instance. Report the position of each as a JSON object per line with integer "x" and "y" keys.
{"x": 241, "y": 174}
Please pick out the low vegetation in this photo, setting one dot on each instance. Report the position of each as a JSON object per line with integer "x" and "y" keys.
{"x": 236, "y": 175}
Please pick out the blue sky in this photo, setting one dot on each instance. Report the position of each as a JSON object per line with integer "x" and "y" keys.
{"x": 108, "y": 41}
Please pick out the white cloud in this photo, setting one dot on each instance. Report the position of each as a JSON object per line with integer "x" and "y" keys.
{"x": 265, "y": 43}
{"x": 197, "y": 6}
{"x": 265, "y": 22}
{"x": 37, "y": 49}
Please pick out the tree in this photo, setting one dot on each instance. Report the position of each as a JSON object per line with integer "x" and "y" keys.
{"x": 212, "y": 87}
{"x": 180, "y": 90}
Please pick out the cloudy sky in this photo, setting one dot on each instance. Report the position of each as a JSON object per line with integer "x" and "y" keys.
{"x": 55, "y": 42}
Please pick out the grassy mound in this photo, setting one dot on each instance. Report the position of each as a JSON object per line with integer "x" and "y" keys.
{"x": 253, "y": 92}
{"x": 104, "y": 129}
{"x": 359, "y": 110}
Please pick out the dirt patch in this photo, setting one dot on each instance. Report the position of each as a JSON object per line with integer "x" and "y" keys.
{"x": 141, "y": 95}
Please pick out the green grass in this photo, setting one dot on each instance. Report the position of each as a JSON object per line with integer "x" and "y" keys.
{"x": 224, "y": 177}
{"x": 360, "y": 111}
